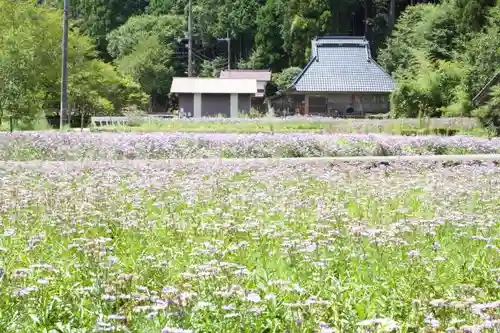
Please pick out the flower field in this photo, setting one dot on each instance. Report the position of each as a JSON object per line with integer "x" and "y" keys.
{"x": 156, "y": 246}
{"x": 104, "y": 146}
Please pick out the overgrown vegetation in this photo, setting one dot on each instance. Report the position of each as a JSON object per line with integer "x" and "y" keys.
{"x": 123, "y": 52}
{"x": 442, "y": 55}
{"x": 443, "y": 126}
{"x": 285, "y": 78}
{"x": 181, "y": 248}
{"x": 489, "y": 114}
{"x": 55, "y": 146}
{"x": 30, "y": 38}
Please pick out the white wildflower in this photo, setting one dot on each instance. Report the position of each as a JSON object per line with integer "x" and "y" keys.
{"x": 253, "y": 297}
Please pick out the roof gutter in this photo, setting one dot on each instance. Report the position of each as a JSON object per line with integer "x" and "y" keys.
{"x": 315, "y": 58}
{"x": 368, "y": 55}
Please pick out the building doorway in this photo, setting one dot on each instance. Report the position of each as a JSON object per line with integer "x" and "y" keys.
{"x": 317, "y": 105}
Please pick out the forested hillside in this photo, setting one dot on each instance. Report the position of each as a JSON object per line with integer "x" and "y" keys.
{"x": 441, "y": 52}
{"x": 442, "y": 55}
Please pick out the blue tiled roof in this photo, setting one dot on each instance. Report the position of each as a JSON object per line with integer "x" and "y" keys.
{"x": 343, "y": 65}
{"x": 336, "y": 41}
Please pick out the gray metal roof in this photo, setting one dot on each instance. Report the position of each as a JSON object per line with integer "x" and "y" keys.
{"x": 257, "y": 74}
{"x": 343, "y": 65}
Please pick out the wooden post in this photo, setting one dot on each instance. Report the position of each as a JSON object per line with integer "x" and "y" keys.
{"x": 359, "y": 105}
{"x": 306, "y": 105}
{"x": 81, "y": 119}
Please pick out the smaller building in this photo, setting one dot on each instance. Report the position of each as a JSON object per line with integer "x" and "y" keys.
{"x": 484, "y": 95}
{"x": 263, "y": 77}
{"x": 341, "y": 79}
{"x": 212, "y": 97}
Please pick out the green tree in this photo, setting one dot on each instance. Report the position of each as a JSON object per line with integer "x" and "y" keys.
{"x": 489, "y": 114}
{"x": 304, "y": 20}
{"x": 30, "y": 59}
{"x": 480, "y": 53}
{"x": 97, "y": 88}
{"x": 212, "y": 68}
{"x": 285, "y": 78}
{"x": 439, "y": 63}
{"x": 97, "y": 18}
{"x": 29, "y": 49}
{"x": 163, "y": 7}
{"x": 145, "y": 48}
{"x": 407, "y": 37}
{"x": 268, "y": 36}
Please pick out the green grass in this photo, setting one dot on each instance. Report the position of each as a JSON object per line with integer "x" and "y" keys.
{"x": 269, "y": 248}
{"x": 443, "y": 126}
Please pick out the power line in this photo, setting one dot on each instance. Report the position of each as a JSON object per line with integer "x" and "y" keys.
{"x": 228, "y": 40}
{"x": 201, "y": 56}
{"x": 193, "y": 53}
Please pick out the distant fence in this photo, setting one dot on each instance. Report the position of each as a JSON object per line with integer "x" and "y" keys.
{"x": 75, "y": 122}
{"x": 106, "y": 121}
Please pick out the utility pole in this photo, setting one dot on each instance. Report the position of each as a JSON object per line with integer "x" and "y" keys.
{"x": 64, "y": 77}
{"x": 392, "y": 14}
{"x": 228, "y": 51}
{"x": 190, "y": 39}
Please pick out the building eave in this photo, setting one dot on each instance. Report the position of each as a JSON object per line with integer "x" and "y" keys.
{"x": 304, "y": 70}
{"x": 281, "y": 93}
{"x": 320, "y": 92}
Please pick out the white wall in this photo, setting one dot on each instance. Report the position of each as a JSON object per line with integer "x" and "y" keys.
{"x": 261, "y": 85}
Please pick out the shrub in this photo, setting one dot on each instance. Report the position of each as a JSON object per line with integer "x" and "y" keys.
{"x": 135, "y": 115}
{"x": 489, "y": 114}
{"x": 285, "y": 78}
{"x": 254, "y": 113}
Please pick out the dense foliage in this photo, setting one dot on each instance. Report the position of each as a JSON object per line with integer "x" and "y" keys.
{"x": 441, "y": 52}
{"x": 489, "y": 114}
{"x": 30, "y": 60}
{"x": 144, "y": 48}
{"x": 442, "y": 55}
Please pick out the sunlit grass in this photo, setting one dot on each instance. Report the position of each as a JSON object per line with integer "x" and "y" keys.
{"x": 444, "y": 126}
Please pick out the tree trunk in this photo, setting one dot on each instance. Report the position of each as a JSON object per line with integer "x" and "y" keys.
{"x": 82, "y": 112}
{"x": 392, "y": 14}
{"x": 68, "y": 114}
{"x": 368, "y": 22}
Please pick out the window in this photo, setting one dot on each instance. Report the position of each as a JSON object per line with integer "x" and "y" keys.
{"x": 380, "y": 102}
{"x": 380, "y": 99}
